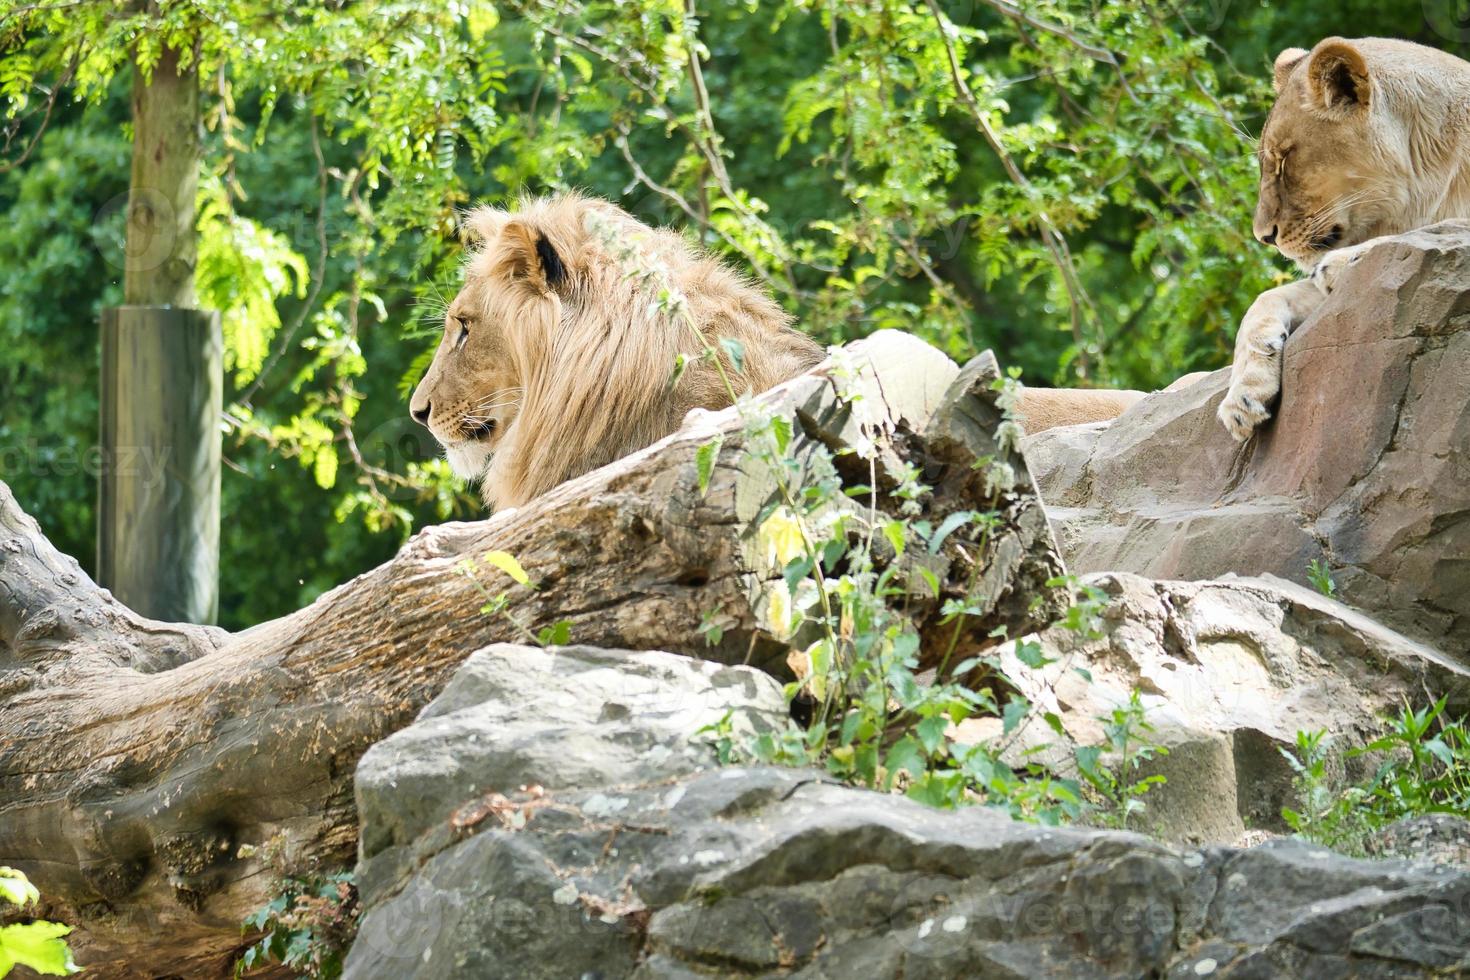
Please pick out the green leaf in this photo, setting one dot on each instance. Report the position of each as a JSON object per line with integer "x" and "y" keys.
{"x": 558, "y": 634}
{"x": 324, "y": 467}
{"x": 16, "y": 888}
{"x": 949, "y": 526}
{"x": 1015, "y": 711}
{"x": 931, "y": 580}
{"x": 1030, "y": 653}
{"x": 906, "y": 754}
{"x": 736, "y": 350}
{"x": 781, "y": 432}
{"x": 704, "y": 462}
{"x": 931, "y": 733}
{"x": 38, "y": 945}
{"x": 507, "y": 563}
{"x": 894, "y": 532}
{"x": 481, "y": 19}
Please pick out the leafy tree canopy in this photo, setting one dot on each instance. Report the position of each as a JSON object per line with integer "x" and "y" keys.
{"x": 1069, "y": 183}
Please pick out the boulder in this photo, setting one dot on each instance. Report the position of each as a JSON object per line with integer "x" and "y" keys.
{"x": 673, "y": 871}
{"x": 1364, "y": 467}
{"x": 1227, "y": 672}
{"x": 515, "y": 717}
{"x": 1437, "y": 838}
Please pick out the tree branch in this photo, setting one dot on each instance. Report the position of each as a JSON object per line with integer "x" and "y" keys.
{"x": 1051, "y": 236}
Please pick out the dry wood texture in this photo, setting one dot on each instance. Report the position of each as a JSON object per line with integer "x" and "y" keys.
{"x": 137, "y": 758}
{"x": 158, "y": 495}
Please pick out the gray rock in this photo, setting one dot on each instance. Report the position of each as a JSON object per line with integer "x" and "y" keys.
{"x": 514, "y": 717}
{"x": 1432, "y": 838}
{"x": 761, "y": 872}
{"x": 1227, "y": 671}
{"x": 1364, "y": 467}
{"x": 673, "y": 871}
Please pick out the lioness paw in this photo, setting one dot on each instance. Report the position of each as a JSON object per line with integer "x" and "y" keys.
{"x": 1330, "y": 267}
{"x": 1242, "y": 411}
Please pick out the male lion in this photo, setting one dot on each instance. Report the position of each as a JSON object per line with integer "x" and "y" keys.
{"x": 1368, "y": 137}
{"x": 554, "y": 361}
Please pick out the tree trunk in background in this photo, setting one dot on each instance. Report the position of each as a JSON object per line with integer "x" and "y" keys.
{"x": 162, "y": 381}
{"x": 144, "y": 766}
{"x": 158, "y": 502}
{"x": 161, "y": 248}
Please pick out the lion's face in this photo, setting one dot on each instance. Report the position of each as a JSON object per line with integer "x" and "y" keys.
{"x": 471, "y": 392}
{"x": 496, "y": 333}
{"x": 1320, "y": 169}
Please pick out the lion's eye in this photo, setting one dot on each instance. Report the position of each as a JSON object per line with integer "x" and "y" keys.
{"x": 464, "y": 334}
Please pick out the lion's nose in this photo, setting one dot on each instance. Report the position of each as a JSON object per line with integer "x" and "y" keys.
{"x": 421, "y": 415}
{"x": 1269, "y": 239}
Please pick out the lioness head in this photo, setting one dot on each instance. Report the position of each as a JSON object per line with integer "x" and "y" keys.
{"x": 1364, "y": 139}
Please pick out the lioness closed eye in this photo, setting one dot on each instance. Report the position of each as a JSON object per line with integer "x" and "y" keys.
{"x": 1368, "y": 137}
{"x": 554, "y": 362}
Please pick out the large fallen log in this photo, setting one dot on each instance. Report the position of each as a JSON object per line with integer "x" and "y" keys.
{"x": 144, "y": 766}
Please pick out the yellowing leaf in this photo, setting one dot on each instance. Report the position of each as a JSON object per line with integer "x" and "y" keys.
{"x": 780, "y": 539}
{"x": 16, "y": 889}
{"x": 482, "y": 19}
{"x": 507, "y": 563}
{"x": 38, "y": 945}
{"x": 778, "y": 609}
{"x": 324, "y": 468}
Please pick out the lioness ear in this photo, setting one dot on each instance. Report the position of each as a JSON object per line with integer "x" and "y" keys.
{"x": 1285, "y": 62}
{"x": 527, "y": 256}
{"x": 1337, "y": 75}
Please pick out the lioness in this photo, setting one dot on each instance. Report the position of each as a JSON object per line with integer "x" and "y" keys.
{"x": 1368, "y": 137}
{"x": 554, "y": 361}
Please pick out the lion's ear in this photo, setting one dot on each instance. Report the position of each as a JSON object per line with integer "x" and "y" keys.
{"x": 481, "y": 225}
{"x": 528, "y": 257}
{"x": 1337, "y": 75}
{"x": 1285, "y": 62}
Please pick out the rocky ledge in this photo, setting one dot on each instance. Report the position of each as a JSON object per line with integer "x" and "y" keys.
{"x": 1365, "y": 467}
{"x": 550, "y": 816}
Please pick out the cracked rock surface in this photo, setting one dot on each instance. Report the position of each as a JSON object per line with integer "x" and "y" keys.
{"x": 742, "y": 872}
{"x": 1365, "y": 465}
{"x": 1227, "y": 671}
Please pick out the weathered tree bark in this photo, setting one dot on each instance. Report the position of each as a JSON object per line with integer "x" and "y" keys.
{"x": 161, "y": 243}
{"x": 137, "y": 758}
{"x": 158, "y": 494}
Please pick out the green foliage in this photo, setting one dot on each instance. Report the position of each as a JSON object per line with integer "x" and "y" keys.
{"x": 308, "y": 926}
{"x": 877, "y": 722}
{"x": 1321, "y": 578}
{"x": 1424, "y": 767}
{"x": 1072, "y": 189}
{"x": 1120, "y": 785}
{"x": 498, "y": 603}
{"x": 38, "y": 945}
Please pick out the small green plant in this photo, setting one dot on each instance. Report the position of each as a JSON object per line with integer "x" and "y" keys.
{"x": 840, "y": 574}
{"x": 1321, "y": 577}
{"x": 1126, "y": 729}
{"x": 496, "y": 604}
{"x": 1425, "y": 768}
{"x": 308, "y": 926}
{"x": 39, "y": 944}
